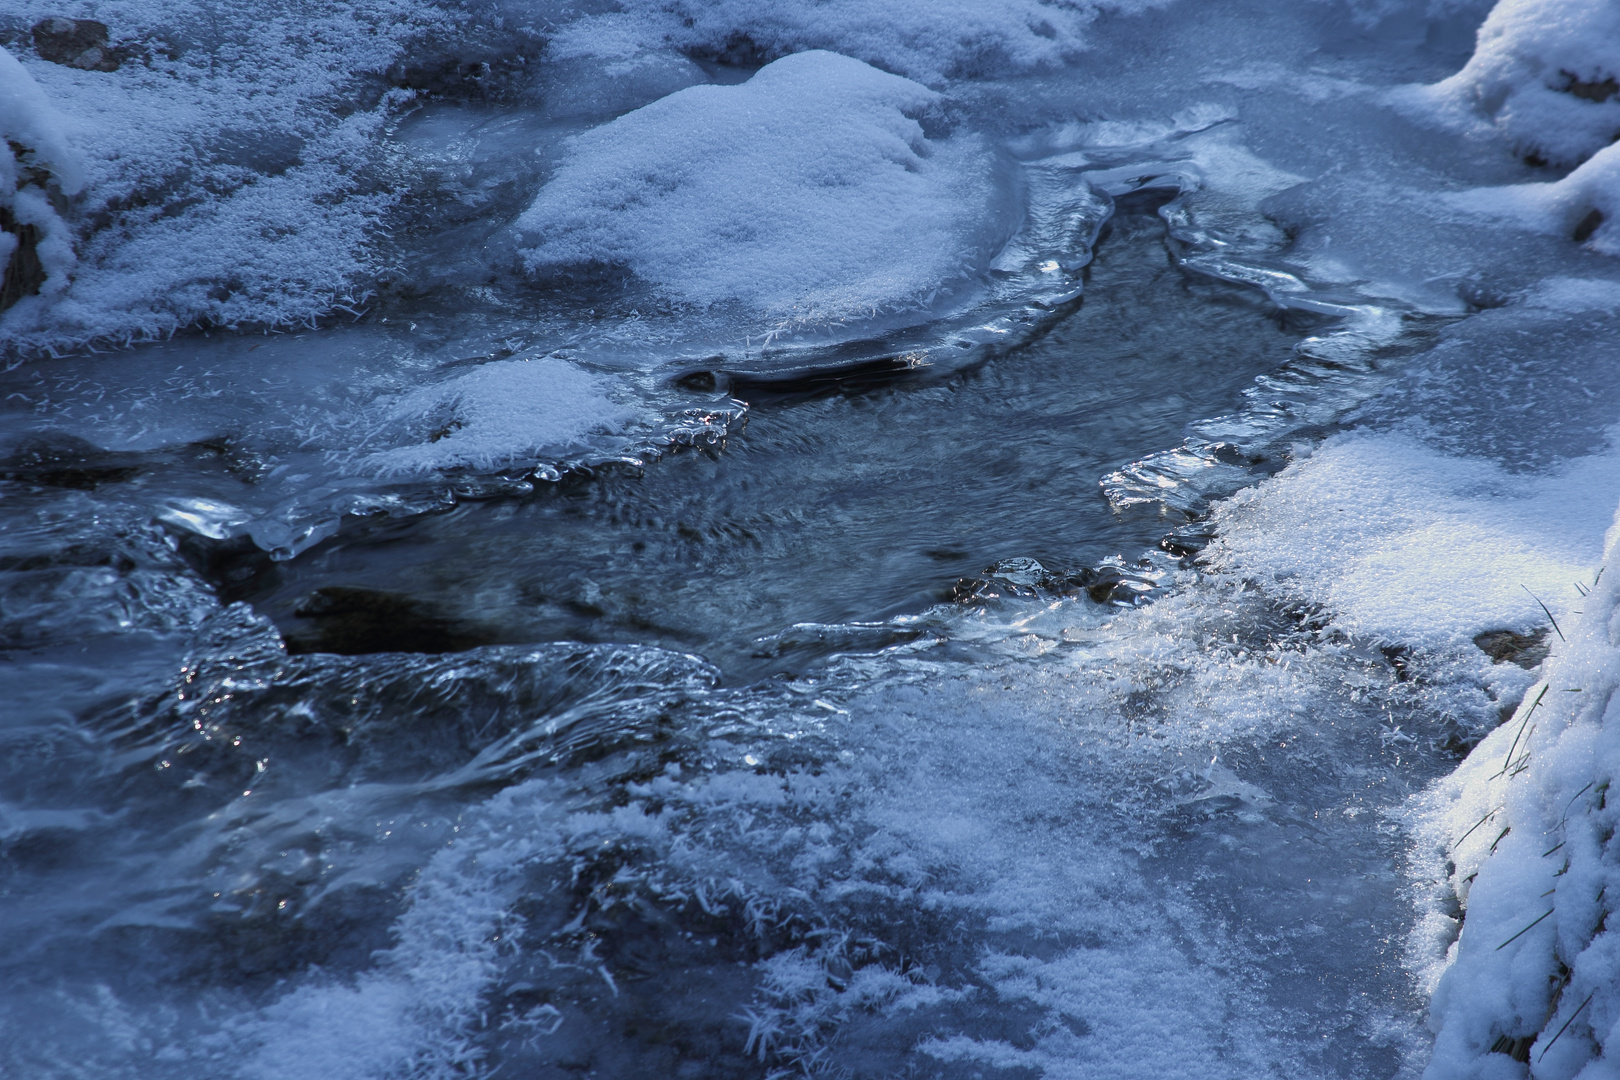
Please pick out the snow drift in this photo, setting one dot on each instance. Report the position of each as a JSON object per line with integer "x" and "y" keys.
{"x": 1526, "y": 831}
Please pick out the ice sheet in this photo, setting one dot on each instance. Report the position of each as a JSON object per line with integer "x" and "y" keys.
{"x": 1414, "y": 547}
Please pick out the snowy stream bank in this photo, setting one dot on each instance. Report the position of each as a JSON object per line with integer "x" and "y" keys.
{"x": 721, "y": 539}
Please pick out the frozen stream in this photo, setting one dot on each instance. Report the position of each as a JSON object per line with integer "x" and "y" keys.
{"x": 707, "y": 540}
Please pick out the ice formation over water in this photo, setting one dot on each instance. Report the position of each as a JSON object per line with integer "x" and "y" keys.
{"x": 1021, "y": 823}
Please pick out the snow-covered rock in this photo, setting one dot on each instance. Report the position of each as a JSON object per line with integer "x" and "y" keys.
{"x": 1545, "y": 76}
{"x": 36, "y": 247}
{"x": 928, "y": 40}
{"x": 810, "y": 192}
{"x": 217, "y": 175}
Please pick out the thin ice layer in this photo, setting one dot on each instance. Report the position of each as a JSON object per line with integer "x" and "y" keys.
{"x": 1009, "y": 865}
{"x": 808, "y": 193}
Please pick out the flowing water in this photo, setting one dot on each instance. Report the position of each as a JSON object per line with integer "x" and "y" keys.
{"x": 271, "y": 816}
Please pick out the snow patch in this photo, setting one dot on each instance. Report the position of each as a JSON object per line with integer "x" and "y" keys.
{"x": 1405, "y": 544}
{"x": 928, "y": 40}
{"x": 217, "y": 169}
{"x": 496, "y": 413}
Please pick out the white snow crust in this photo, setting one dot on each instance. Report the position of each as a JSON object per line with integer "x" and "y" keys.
{"x": 809, "y": 192}
{"x": 497, "y": 413}
{"x": 216, "y": 170}
{"x": 928, "y": 40}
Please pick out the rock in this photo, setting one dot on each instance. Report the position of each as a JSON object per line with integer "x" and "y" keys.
{"x": 1503, "y": 646}
{"x": 1598, "y": 90}
{"x": 77, "y": 43}
{"x": 352, "y": 621}
{"x": 58, "y": 460}
{"x": 1023, "y": 577}
{"x": 1588, "y": 225}
{"x": 24, "y": 273}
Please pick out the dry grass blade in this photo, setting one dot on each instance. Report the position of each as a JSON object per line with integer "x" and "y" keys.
{"x": 1523, "y": 932}
{"x": 1565, "y": 1028}
{"x": 1549, "y": 614}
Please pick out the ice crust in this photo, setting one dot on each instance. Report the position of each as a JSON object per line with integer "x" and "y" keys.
{"x": 236, "y": 167}
{"x": 809, "y": 192}
{"x": 220, "y": 164}
{"x": 838, "y": 824}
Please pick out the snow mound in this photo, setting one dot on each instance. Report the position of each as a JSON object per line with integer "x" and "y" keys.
{"x": 1545, "y": 76}
{"x": 1408, "y": 545}
{"x": 1542, "y": 75}
{"x": 809, "y": 192}
{"x": 496, "y": 413}
{"x": 1585, "y": 204}
{"x": 1523, "y": 963}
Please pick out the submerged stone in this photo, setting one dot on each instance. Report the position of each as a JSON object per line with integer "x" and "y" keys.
{"x": 76, "y": 43}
